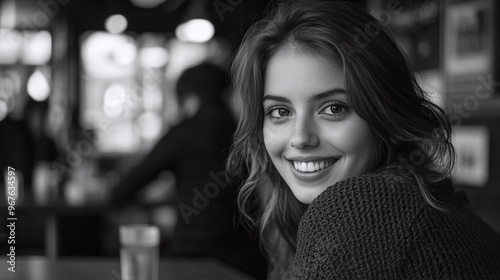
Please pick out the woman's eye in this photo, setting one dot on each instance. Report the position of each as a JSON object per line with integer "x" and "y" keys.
{"x": 334, "y": 109}
{"x": 279, "y": 112}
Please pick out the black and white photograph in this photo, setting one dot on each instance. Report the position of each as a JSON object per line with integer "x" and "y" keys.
{"x": 249, "y": 139}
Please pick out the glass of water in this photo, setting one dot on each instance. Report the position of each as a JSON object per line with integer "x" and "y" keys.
{"x": 139, "y": 254}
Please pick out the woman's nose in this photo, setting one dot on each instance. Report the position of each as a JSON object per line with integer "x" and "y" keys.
{"x": 304, "y": 135}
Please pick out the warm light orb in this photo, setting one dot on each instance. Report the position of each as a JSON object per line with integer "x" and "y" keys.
{"x": 37, "y": 49}
{"x": 125, "y": 54}
{"x": 195, "y": 31}
{"x": 114, "y": 100}
{"x": 38, "y": 87}
{"x": 116, "y": 24}
{"x": 153, "y": 57}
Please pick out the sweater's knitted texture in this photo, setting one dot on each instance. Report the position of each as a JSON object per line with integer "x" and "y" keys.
{"x": 377, "y": 226}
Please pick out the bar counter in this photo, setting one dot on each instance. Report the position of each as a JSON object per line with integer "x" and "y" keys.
{"x": 93, "y": 268}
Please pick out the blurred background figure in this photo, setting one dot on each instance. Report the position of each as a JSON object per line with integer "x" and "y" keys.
{"x": 27, "y": 145}
{"x": 195, "y": 151}
{"x": 45, "y": 152}
{"x": 17, "y": 145}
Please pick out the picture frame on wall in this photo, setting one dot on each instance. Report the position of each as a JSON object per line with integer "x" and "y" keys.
{"x": 472, "y": 147}
{"x": 468, "y": 51}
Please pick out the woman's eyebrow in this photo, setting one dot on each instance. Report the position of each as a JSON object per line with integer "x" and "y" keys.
{"x": 315, "y": 97}
{"x": 326, "y": 94}
{"x": 275, "y": 98}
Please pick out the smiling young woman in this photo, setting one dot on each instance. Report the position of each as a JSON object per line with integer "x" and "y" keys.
{"x": 344, "y": 162}
{"x": 311, "y": 133}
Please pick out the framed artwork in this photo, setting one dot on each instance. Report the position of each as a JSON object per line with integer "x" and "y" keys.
{"x": 468, "y": 55}
{"x": 472, "y": 155}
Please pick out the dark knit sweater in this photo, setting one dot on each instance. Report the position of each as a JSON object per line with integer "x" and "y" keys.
{"x": 377, "y": 226}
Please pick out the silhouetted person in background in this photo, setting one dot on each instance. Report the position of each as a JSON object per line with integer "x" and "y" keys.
{"x": 45, "y": 179}
{"x": 16, "y": 144}
{"x": 25, "y": 144}
{"x": 195, "y": 151}
{"x": 37, "y": 119}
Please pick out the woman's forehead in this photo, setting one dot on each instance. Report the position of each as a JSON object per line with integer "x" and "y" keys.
{"x": 291, "y": 72}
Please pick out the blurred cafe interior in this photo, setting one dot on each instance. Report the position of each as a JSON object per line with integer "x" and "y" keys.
{"x": 88, "y": 87}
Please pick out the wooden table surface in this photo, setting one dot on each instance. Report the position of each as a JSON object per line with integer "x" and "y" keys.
{"x": 96, "y": 268}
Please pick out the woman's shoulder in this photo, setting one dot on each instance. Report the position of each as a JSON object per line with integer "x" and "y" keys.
{"x": 374, "y": 181}
{"x": 384, "y": 190}
{"x": 376, "y": 206}
{"x": 377, "y": 223}
{"x": 357, "y": 228}
{"x": 383, "y": 198}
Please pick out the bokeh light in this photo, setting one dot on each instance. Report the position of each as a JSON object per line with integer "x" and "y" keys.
{"x": 114, "y": 100}
{"x": 116, "y": 24}
{"x": 125, "y": 54}
{"x": 195, "y": 31}
{"x": 37, "y": 48}
{"x": 153, "y": 57}
{"x": 38, "y": 87}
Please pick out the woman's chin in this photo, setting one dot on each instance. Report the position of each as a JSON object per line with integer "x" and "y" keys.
{"x": 305, "y": 196}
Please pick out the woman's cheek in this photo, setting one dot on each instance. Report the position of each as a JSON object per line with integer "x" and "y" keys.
{"x": 273, "y": 139}
{"x": 268, "y": 138}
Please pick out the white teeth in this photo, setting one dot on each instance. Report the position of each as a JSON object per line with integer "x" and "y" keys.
{"x": 312, "y": 166}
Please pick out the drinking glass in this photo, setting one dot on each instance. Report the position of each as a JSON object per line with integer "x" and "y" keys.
{"x": 139, "y": 253}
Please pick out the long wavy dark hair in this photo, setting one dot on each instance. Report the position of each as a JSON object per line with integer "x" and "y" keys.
{"x": 412, "y": 135}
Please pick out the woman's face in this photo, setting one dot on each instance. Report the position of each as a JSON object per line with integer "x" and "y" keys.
{"x": 311, "y": 133}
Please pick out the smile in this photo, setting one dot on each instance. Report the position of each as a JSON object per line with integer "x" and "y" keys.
{"x": 313, "y": 166}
